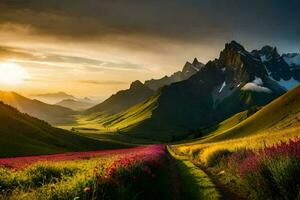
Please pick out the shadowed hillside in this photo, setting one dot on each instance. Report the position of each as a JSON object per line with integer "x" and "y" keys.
{"x": 21, "y": 134}
{"x": 53, "y": 114}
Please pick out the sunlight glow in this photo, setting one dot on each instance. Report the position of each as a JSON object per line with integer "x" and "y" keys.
{"x": 12, "y": 73}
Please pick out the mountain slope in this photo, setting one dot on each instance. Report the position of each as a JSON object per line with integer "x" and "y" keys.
{"x": 53, "y": 114}
{"x": 280, "y": 115}
{"x": 139, "y": 92}
{"x": 75, "y": 104}
{"x": 188, "y": 70}
{"x": 236, "y": 81}
{"x": 284, "y": 69}
{"x": 123, "y": 100}
{"x": 21, "y": 134}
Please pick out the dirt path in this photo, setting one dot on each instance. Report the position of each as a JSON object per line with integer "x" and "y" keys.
{"x": 193, "y": 182}
{"x": 202, "y": 177}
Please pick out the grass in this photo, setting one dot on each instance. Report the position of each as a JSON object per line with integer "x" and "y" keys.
{"x": 268, "y": 173}
{"x": 195, "y": 184}
{"x": 23, "y": 135}
{"x": 137, "y": 173}
{"x": 65, "y": 179}
{"x": 277, "y": 121}
{"x": 125, "y": 121}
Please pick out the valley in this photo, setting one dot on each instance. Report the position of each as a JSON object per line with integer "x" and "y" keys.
{"x": 206, "y": 132}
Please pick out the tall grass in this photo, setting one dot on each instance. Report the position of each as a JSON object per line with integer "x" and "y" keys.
{"x": 142, "y": 173}
{"x": 271, "y": 172}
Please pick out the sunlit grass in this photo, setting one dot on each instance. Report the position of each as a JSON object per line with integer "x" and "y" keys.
{"x": 203, "y": 150}
{"x": 135, "y": 173}
{"x": 65, "y": 179}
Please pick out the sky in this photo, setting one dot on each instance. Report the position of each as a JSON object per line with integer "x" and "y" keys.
{"x": 97, "y": 47}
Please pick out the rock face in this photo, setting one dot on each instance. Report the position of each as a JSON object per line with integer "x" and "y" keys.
{"x": 236, "y": 81}
{"x": 188, "y": 70}
{"x": 284, "y": 69}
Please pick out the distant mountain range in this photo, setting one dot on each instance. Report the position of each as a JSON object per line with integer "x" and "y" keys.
{"x": 53, "y": 114}
{"x": 53, "y": 98}
{"x": 188, "y": 70}
{"x": 139, "y": 92}
{"x": 77, "y": 105}
{"x": 236, "y": 81}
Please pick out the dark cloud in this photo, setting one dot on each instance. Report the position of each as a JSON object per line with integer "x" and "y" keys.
{"x": 189, "y": 20}
{"x": 106, "y": 82}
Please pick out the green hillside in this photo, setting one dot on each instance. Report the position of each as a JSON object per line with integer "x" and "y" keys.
{"x": 122, "y": 100}
{"x": 53, "y": 114}
{"x": 277, "y": 121}
{"x": 21, "y": 134}
{"x": 281, "y": 114}
{"x": 127, "y": 120}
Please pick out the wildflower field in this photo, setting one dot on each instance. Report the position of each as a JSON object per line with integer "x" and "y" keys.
{"x": 268, "y": 172}
{"x": 135, "y": 173}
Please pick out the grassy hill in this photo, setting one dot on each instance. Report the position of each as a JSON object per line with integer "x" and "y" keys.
{"x": 130, "y": 118}
{"x": 21, "y": 134}
{"x": 53, "y": 114}
{"x": 283, "y": 113}
{"x": 277, "y": 121}
{"x": 122, "y": 100}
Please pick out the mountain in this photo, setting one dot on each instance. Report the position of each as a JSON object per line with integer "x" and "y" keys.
{"x": 281, "y": 115}
{"x": 77, "y": 105}
{"x": 139, "y": 92}
{"x": 123, "y": 99}
{"x": 188, "y": 70}
{"x": 53, "y": 114}
{"x": 236, "y": 81}
{"x": 21, "y": 135}
{"x": 284, "y": 69}
{"x": 53, "y": 98}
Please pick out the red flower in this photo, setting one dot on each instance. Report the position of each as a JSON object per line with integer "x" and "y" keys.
{"x": 87, "y": 189}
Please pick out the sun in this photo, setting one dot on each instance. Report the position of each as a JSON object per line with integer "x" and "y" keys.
{"x": 12, "y": 73}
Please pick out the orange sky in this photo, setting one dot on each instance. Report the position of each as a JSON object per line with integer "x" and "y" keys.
{"x": 88, "y": 68}
{"x": 95, "y": 48}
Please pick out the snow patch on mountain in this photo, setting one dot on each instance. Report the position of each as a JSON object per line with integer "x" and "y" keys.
{"x": 257, "y": 86}
{"x": 264, "y": 58}
{"x": 223, "y": 85}
{"x": 292, "y": 59}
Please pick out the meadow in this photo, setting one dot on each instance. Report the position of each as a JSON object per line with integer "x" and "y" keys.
{"x": 135, "y": 173}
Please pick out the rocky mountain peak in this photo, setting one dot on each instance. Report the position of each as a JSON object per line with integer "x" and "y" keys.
{"x": 234, "y": 46}
{"x": 266, "y": 53}
{"x": 231, "y": 55}
{"x": 136, "y": 84}
{"x": 196, "y": 62}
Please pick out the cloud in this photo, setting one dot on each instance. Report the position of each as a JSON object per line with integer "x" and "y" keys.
{"x": 106, "y": 82}
{"x": 24, "y": 56}
{"x": 189, "y": 20}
